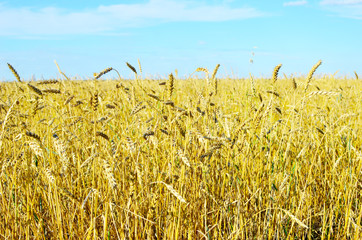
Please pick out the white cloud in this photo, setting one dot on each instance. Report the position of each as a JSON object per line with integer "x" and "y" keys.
{"x": 112, "y": 18}
{"x": 295, "y": 3}
{"x": 346, "y": 9}
{"x": 340, "y": 2}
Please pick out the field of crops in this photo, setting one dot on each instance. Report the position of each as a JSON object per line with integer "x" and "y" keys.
{"x": 197, "y": 158}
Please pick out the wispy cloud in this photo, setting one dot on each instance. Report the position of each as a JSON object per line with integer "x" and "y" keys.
{"x": 295, "y": 3}
{"x": 112, "y": 18}
{"x": 340, "y": 2}
{"x": 346, "y": 9}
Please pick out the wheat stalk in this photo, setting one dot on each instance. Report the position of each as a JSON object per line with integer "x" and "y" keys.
{"x": 61, "y": 71}
{"x": 8, "y": 114}
{"x": 214, "y": 78}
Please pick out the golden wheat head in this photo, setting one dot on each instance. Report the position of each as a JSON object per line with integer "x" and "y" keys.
{"x": 275, "y": 72}
{"x": 310, "y": 74}
{"x": 107, "y": 70}
{"x": 14, "y": 72}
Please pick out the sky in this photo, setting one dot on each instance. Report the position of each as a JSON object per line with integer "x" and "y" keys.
{"x": 245, "y": 37}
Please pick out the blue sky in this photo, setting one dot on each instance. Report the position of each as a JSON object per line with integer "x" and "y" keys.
{"x": 87, "y": 36}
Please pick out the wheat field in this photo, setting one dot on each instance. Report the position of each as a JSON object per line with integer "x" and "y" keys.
{"x": 195, "y": 158}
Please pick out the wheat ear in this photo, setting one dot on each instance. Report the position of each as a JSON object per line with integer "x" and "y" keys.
{"x": 132, "y": 68}
{"x": 35, "y": 89}
{"x": 139, "y": 66}
{"x": 33, "y": 135}
{"x": 14, "y": 72}
{"x": 51, "y": 81}
{"x": 170, "y": 85}
{"x": 173, "y": 191}
{"x": 109, "y": 174}
{"x": 275, "y": 72}
{"x": 105, "y": 71}
{"x": 310, "y": 74}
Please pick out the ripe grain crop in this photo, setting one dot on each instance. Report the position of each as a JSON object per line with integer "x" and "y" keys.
{"x": 181, "y": 158}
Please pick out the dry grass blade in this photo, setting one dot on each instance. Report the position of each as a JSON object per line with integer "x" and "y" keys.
{"x": 356, "y": 75}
